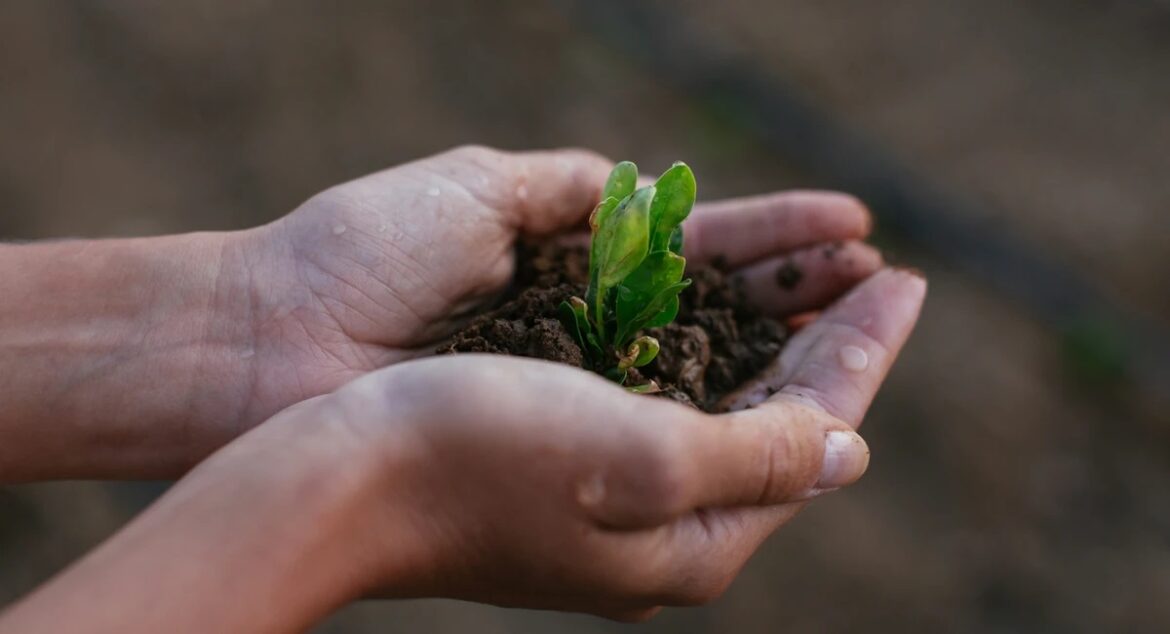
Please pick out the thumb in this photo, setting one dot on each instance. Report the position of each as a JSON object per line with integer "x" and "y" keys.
{"x": 770, "y": 456}
{"x": 753, "y": 458}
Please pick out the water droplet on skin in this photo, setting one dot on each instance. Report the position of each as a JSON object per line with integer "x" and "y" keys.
{"x": 591, "y": 492}
{"x": 382, "y": 228}
{"x": 434, "y": 191}
{"x": 338, "y": 230}
{"x": 522, "y": 192}
{"x": 853, "y": 358}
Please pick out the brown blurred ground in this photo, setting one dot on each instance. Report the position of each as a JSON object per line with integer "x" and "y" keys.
{"x": 1005, "y": 493}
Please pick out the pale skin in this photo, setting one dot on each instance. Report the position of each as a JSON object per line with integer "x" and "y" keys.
{"x": 502, "y": 480}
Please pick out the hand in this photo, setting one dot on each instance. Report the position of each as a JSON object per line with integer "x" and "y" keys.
{"x": 137, "y": 358}
{"x": 378, "y": 270}
{"x": 504, "y": 480}
{"x": 529, "y": 484}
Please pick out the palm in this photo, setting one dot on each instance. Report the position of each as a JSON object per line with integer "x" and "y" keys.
{"x": 380, "y": 269}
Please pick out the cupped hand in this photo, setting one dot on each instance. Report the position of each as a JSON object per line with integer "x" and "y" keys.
{"x": 496, "y": 479}
{"x": 378, "y": 270}
{"x": 525, "y": 483}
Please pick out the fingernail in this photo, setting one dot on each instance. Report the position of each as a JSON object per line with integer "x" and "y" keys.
{"x": 846, "y": 457}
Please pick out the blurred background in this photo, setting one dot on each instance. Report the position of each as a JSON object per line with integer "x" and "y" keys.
{"x": 1017, "y": 151}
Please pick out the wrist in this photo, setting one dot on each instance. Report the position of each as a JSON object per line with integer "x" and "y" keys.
{"x": 346, "y": 471}
{"x": 260, "y": 537}
{"x": 306, "y": 495}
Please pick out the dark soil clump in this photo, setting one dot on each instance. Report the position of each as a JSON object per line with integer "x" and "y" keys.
{"x": 716, "y": 344}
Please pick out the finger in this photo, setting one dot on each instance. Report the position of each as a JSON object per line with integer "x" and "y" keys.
{"x": 797, "y": 322}
{"x": 837, "y": 363}
{"x": 807, "y": 279}
{"x": 766, "y": 457}
{"x": 742, "y": 230}
{"x": 756, "y": 458}
{"x": 541, "y": 192}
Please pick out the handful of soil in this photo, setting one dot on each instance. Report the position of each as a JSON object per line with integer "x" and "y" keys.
{"x": 716, "y": 343}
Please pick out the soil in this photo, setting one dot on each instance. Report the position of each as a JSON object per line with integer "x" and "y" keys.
{"x": 715, "y": 345}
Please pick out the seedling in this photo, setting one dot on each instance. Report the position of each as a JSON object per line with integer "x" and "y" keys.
{"x": 635, "y": 270}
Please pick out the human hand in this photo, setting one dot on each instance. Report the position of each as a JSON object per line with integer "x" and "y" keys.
{"x": 496, "y": 479}
{"x": 378, "y": 270}
{"x": 524, "y": 483}
{"x": 137, "y": 358}
{"x": 613, "y": 503}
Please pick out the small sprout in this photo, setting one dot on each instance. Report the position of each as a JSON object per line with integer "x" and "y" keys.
{"x": 641, "y": 352}
{"x": 647, "y": 348}
{"x": 645, "y": 388}
{"x": 635, "y": 270}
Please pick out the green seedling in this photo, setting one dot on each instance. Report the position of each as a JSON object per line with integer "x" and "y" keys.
{"x": 635, "y": 270}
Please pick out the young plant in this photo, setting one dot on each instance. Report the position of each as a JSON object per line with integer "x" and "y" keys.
{"x": 635, "y": 270}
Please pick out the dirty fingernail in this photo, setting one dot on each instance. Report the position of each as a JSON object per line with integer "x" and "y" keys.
{"x": 846, "y": 458}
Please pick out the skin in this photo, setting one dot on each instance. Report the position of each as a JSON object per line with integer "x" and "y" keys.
{"x": 138, "y": 358}
{"x": 447, "y": 476}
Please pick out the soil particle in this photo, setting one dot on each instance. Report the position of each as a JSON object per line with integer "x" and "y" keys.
{"x": 830, "y": 251}
{"x": 524, "y": 326}
{"x": 715, "y": 345}
{"x": 686, "y": 360}
{"x": 788, "y": 275}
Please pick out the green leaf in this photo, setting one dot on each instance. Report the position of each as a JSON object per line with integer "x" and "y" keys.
{"x": 647, "y": 349}
{"x": 602, "y": 211}
{"x": 658, "y": 271}
{"x": 569, "y": 318}
{"x": 619, "y": 246}
{"x": 616, "y": 375}
{"x": 600, "y": 215}
{"x": 573, "y": 315}
{"x": 676, "y": 195}
{"x": 645, "y": 388}
{"x": 622, "y": 238}
{"x": 639, "y": 353}
{"x": 660, "y": 310}
{"x": 667, "y": 314}
{"x": 594, "y": 345}
{"x": 676, "y": 240}
{"x": 621, "y": 181}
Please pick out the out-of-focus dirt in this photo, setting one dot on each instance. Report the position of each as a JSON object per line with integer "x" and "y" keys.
{"x": 1004, "y": 494}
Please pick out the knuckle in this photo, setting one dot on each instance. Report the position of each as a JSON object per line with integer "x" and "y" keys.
{"x": 808, "y": 400}
{"x": 334, "y": 199}
{"x": 667, "y": 479}
{"x": 791, "y": 463}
